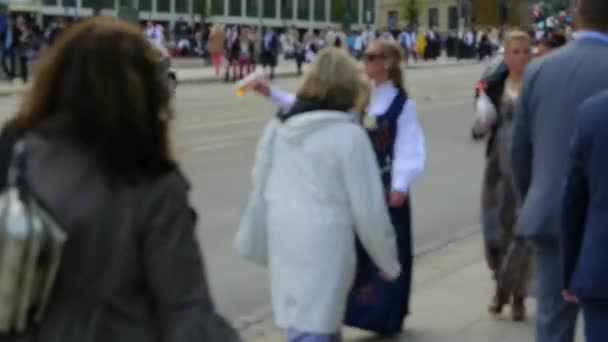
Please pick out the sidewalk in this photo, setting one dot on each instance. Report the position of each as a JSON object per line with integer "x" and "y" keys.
{"x": 194, "y": 71}
{"x": 452, "y": 288}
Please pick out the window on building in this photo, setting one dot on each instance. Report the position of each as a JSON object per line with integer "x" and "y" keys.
{"x": 217, "y": 7}
{"x": 108, "y": 4}
{"x": 252, "y": 8}
{"x": 453, "y": 18}
{"x": 163, "y": 5}
{"x": 234, "y": 8}
{"x": 270, "y": 8}
{"x": 145, "y": 5}
{"x": 466, "y": 14}
{"x": 287, "y": 9}
{"x": 49, "y": 2}
{"x": 181, "y": 6}
{"x": 369, "y": 11}
{"x": 320, "y": 14}
{"x": 353, "y": 10}
{"x": 68, "y": 3}
{"x": 433, "y": 18}
{"x": 303, "y": 9}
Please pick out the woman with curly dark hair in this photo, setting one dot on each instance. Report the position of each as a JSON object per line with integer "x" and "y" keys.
{"x": 95, "y": 127}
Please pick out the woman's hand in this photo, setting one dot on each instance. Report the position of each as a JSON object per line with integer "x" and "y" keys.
{"x": 569, "y": 297}
{"x": 397, "y": 198}
{"x": 261, "y": 87}
{"x": 482, "y": 127}
{"x": 386, "y": 276}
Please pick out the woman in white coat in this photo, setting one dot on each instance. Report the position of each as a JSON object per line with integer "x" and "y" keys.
{"x": 316, "y": 186}
{"x": 398, "y": 140}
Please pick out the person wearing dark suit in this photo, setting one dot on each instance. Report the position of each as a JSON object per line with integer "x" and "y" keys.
{"x": 270, "y": 46}
{"x": 584, "y": 226}
{"x": 9, "y": 40}
{"x": 554, "y": 87}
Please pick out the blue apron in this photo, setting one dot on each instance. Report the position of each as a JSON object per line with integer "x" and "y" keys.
{"x": 375, "y": 304}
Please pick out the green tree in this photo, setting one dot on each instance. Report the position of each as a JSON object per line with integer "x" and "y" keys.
{"x": 412, "y": 11}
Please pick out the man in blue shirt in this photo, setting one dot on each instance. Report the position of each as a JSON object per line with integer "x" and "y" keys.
{"x": 553, "y": 88}
{"x": 9, "y": 40}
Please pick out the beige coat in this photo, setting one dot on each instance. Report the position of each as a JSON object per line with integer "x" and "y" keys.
{"x": 216, "y": 42}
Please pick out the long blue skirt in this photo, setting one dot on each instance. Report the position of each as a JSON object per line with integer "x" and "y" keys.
{"x": 375, "y": 304}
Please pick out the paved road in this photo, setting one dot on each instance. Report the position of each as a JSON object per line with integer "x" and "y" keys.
{"x": 215, "y": 137}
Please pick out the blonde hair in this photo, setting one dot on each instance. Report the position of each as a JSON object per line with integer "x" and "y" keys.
{"x": 516, "y": 35}
{"x": 217, "y": 27}
{"x": 334, "y": 79}
{"x": 394, "y": 53}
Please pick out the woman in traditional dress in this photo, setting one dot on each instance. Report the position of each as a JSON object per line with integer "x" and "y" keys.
{"x": 315, "y": 188}
{"x": 392, "y": 125}
{"x": 500, "y": 200}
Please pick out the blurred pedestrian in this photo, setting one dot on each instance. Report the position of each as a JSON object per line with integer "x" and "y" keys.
{"x": 26, "y": 49}
{"x": 584, "y": 235}
{"x": 216, "y": 46}
{"x": 269, "y": 52}
{"x": 9, "y": 38}
{"x": 551, "y": 42}
{"x": 553, "y": 88}
{"x": 96, "y": 122}
{"x": 392, "y": 125}
{"x": 500, "y": 199}
{"x": 315, "y": 158}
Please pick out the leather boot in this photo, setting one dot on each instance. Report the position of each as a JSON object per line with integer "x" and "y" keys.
{"x": 498, "y": 302}
{"x": 518, "y": 309}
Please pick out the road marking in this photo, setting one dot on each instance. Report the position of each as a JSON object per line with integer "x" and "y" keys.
{"x": 223, "y": 140}
{"x": 215, "y": 124}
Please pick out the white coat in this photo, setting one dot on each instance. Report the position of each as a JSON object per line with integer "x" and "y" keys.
{"x": 322, "y": 186}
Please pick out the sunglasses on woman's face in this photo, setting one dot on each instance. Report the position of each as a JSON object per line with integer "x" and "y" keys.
{"x": 371, "y": 57}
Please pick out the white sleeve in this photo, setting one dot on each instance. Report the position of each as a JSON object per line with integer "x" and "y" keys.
{"x": 282, "y": 98}
{"x": 367, "y": 203}
{"x": 409, "y": 149}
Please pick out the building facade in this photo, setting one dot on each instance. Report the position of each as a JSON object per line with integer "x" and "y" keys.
{"x": 441, "y": 15}
{"x": 495, "y": 13}
{"x": 312, "y": 14}
{"x": 166, "y": 11}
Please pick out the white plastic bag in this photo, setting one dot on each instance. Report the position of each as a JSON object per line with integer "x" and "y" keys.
{"x": 484, "y": 109}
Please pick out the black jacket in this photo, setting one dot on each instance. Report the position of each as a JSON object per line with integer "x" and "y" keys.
{"x": 494, "y": 89}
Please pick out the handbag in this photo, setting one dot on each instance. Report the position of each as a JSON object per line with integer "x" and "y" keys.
{"x": 31, "y": 245}
{"x": 252, "y": 236}
{"x": 516, "y": 269}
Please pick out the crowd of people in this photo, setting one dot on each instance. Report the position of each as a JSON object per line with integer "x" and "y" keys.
{"x": 329, "y": 212}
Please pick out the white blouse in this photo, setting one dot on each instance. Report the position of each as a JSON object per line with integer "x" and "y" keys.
{"x": 409, "y": 148}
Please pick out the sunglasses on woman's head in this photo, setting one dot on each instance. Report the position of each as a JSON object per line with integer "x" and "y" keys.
{"x": 371, "y": 57}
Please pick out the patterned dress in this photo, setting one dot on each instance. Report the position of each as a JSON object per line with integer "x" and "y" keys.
{"x": 508, "y": 257}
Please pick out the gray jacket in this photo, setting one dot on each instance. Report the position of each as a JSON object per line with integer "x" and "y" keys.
{"x": 553, "y": 88}
{"x": 132, "y": 269}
